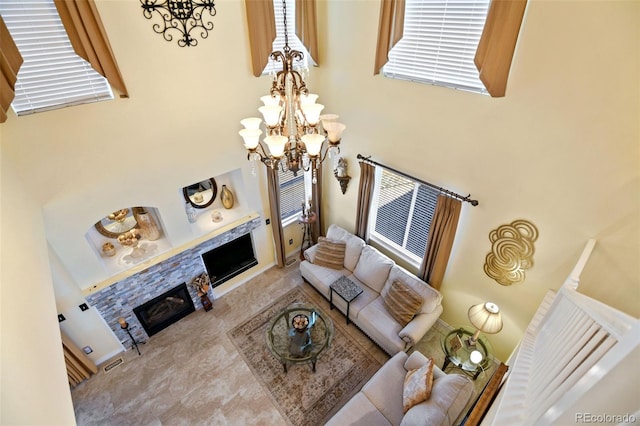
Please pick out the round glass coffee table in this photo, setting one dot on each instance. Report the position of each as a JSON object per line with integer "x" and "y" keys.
{"x": 472, "y": 358}
{"x": 299, "y": 334}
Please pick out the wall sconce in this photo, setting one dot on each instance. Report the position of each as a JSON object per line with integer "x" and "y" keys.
{"x": 340, "y": 173}
{"x": 183, "y": 17}
{"x": 511, "y": 252}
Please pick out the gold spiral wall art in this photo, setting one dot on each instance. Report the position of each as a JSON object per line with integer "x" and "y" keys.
{"x": 511, "y": 252}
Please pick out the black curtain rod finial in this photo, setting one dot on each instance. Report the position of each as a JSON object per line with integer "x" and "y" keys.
{"x": 445, "y": 191}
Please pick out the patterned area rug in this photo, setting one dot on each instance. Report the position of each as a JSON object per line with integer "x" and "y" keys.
{"x": 302, "y": 396}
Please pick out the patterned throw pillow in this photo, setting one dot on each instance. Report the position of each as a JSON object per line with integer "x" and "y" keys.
{"x": 330, "y": 253}
{"x": 402, "y": 302}
{"x": 417, "y": 385}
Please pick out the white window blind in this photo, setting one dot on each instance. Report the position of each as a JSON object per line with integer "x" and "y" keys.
{"x": 52, "y": 75}
{"x": 294, "y": 190}
{"x": 402, "y": 212}
{"x": 439, "y": 43}
{"x": 294, "y": 41}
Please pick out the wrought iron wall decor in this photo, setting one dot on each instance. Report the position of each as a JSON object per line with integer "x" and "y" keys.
{"x": 511, "y": 252}
{"x": 181, "y": 17}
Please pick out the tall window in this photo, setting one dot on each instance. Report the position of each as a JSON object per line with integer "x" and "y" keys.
{"x": 52, "y": 75}
{"x": 439, "y": 43}
{"x": 401, "y": 214}
{"x": 294, "y": 41}
{"x": 294, "y": 190}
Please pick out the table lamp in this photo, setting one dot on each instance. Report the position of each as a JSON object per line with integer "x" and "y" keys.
{"x": 484, "y": 317}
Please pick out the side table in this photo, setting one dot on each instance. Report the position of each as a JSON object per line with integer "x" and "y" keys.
{"x": 307, "y": 238}
{"x": 346, "y": 289}
{"x": 471, "y": 359}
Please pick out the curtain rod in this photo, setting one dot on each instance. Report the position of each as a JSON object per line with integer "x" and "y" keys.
{"x": 446, "y": 191}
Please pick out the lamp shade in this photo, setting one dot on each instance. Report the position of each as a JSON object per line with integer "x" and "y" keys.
{"x": 313, "y": 143}
{"x": 271, "y": 114}
{"x": 251, "y": 123}
{"x": 311, "y": 98}
{"x": 486, "y": 317}
{"x": 270, "y": 100}
{"x": 312, "y": 112}
{"x": 334, "y": 130}
{"x": 251, "y": 137}
{"x": 276, "y": 145}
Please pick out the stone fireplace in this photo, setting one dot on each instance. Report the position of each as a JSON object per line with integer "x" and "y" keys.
{"x": 162, "y": 311}
{"x": 121, "y": 298}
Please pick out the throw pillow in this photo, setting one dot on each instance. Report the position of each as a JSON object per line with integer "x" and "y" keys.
{"x": 402, "y": 302}
{"x": 330, "y": 253}
{"x": 417, "y": 385}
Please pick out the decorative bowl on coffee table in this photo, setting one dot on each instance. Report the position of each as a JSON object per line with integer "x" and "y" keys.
{"x": 299, "y": 334}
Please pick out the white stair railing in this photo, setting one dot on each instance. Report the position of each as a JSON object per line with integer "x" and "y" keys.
{"x": 572, "y": 342}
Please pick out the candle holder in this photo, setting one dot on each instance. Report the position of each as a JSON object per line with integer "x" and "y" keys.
{"x": 134, "y": 343}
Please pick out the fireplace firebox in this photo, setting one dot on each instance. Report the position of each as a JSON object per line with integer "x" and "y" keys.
{"x": 164, "y": 310}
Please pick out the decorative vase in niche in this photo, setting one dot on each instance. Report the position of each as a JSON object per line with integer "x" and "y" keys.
{"x": 226, "y": 196}
{"x": 191, "y": 212}
{"x": 148, "y": 226}
{"x": 108, "y": 249}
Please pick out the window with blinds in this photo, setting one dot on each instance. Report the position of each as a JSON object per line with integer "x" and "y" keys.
{"x": 52, "y": 75}
{"x": 294, "y": 190}
{"x": 401, "y": 214}
{"x": 294, "y": 41}
{"x": 439, "y": 43}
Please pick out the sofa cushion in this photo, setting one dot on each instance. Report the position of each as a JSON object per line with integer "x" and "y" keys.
{"x": 384, "y": 389}
{"x": 320, "y": 277}
{"x": 431, "y": 297}
{"x": 354, "y": 243}
{"x": 417, "y": 385}
{"x": 379, "y": 325}
{"x": 330, "y": 253}
{"x": 358, "y": 411}
{"x": 373, "y": 268}
{"x": 402, "y": 302}
{"x": 449, "y": 395}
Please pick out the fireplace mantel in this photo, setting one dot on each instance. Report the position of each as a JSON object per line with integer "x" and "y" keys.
{"x": 167, "y": 255}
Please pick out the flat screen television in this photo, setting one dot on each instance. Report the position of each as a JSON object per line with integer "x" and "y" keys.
{"x": 230, "y": 259}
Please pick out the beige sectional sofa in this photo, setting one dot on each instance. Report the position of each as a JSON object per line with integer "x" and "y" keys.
{"x": 380, "y": 400}
{"x": 374, "y": 273}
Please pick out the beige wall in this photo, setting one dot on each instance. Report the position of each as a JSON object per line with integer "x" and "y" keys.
{"x": 561, "y": 150}
{"x": 34, "y": 388}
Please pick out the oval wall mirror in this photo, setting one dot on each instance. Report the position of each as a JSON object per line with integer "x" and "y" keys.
{"x": 117, "y": 222}
{"x": 200, "y": 195}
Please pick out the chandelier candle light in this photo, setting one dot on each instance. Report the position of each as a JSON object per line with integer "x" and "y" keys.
{"x": 294, "y": 127}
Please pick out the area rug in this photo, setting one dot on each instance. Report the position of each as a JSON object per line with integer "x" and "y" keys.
{"x": 302, "y": 396}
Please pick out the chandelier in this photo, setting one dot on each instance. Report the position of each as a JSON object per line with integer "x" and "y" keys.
{"x": 295, "y": 130}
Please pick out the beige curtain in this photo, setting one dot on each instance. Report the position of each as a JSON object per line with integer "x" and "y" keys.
{"x": 441, "y": 235}
{"x": 497, "y": 44}
{"x": 390, "y": 30}
{"x": 273, "y": 186}
{"x": 316, "y": 200}
{"x": 89, "y": 39}
{"x": 365, "y": 192}
{"x": 306, "y": 26}
{"x": 10, "y": 62}
{"x": 79, "y": 366}
{"x": 262, "y": 32}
